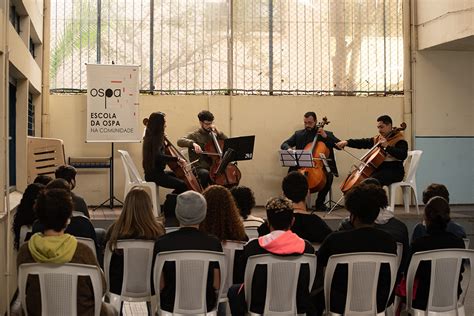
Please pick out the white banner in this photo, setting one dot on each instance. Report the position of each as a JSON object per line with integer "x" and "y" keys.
{"x": 112, "y": 103}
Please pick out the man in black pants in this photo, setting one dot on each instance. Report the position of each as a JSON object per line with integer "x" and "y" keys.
{"x": 305, "y": 136}
{"x": 395, "y": 146}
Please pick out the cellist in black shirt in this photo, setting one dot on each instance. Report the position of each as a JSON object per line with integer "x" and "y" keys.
{"x": 305, "y": 136}
{"x": 391, "y": 170}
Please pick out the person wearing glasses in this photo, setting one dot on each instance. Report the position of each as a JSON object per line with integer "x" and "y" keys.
{"x": 197, "y": 140}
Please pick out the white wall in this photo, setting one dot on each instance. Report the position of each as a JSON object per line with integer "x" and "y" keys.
{"x": 271, "y": 119}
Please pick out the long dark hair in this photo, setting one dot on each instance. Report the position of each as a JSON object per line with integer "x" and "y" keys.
{"x": 25, "y": 214}
{"x": 153, "y": 139}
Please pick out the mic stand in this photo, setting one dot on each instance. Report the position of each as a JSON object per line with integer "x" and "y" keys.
{"x": 331, "y": 204}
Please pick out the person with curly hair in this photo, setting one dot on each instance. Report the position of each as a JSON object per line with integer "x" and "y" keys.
{"x": 245, "y": 201}
{"x": 222, "y": 218}
{"x": 136, "y": 221}
{"x": 25, "y": 214}
{"x": 363, "y": 202}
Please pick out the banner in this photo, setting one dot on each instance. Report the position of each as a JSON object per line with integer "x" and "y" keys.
{"x": 112, "y": 103}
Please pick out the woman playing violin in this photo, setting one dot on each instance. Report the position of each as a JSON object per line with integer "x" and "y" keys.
{"x": 396, "y": 148}
{"x": 196, "y": 141}
{"x": 154, "y": 157}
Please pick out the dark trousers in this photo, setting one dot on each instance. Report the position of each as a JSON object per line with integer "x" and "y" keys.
{"x": 203, "y": 177}
{"x": 168, "y": 179}
{"x": 389, "y": 172}
{"x": 236, "y": 297}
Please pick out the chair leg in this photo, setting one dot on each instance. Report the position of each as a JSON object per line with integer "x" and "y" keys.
{"x": 392, "y": 190}
{"x": 406, "y": 198}
{"x": 416, "y": 199}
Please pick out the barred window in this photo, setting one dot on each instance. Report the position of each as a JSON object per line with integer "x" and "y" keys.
{"x": 332, "y": 47}
{"x": 31, "y": 116}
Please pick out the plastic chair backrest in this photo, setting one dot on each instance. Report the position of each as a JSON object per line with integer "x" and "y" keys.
{"x": 282, "y": 281}
{"x": 171, "y": 229}
{"x": 58, "y": 286}
{"x": 137, "y": 266}
{"x": 131, "y": 172}
{"x": 415, "y": 161}
{"x": 363, "y": 276}
{"x": 229, "y": 248}
{"x": 192, "y": 268}
{"x": 444, "y": 278}
{"x": 399, "y": 253}
{"x": 251, "y": 232}
{"x": 24, "y": 230}
{"x": 89, "y": 243}
{"x": 466, "y": 242}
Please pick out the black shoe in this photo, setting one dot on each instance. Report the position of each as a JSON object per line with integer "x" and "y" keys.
{"x": 322, "y": 208}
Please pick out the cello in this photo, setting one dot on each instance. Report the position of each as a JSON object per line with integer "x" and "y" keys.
{"x": 370, "y": 161}
{"x": 183, "y": 172}
{"x": 316, "y": 176}
{"x": 222, "y": 172}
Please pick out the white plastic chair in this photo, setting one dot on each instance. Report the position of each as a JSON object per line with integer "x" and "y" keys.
{"x": 89, "y": 243}
{"x": 229, "y": 248}
{"x": 137, "y": 267}
{"x": 444, "y": 280}
{"x": 280, "y": 300}
{"x": 192, "y": 268}
{"x": 134, "y": 179}
{"x": 58, "y": 284}
{"x": 466, "y": 242}
{"x": 251, "y": 232}
{"x": 363, "y": 276}
{"x": 171, "y": 229}
{"x": 24, "y": 230}
{"x": 408, "y": 184}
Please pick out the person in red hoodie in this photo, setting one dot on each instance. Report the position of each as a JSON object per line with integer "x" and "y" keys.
{"x": 280, "y": 241}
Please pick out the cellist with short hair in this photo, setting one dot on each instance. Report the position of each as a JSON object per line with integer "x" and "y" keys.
{"x": 394, "y": 146}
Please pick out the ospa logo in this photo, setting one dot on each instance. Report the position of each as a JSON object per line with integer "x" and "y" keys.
{"x": 106, "y": 93}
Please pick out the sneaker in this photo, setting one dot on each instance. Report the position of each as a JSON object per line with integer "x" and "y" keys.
{"x": 322, "y": 208}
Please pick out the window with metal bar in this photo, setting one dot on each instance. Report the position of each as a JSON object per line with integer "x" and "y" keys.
{"x": 31, "y": 116}
{"x": 333, "y": 47}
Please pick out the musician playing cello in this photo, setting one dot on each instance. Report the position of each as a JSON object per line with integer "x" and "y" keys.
{"x": 391, "y": 170}
{"x": 305, "y": 136}
{"x": 196, "y": 141}
{"x": 154, "y": 156}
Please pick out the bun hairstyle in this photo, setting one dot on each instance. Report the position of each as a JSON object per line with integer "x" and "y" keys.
{"x": 437, "y": 213}
{"x": 364, "y": 201}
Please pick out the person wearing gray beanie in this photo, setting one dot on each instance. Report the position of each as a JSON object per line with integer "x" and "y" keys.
{"x": 191, "y": 208}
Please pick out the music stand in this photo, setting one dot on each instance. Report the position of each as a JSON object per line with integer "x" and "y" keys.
{"x": 241, "y": 147}
{"x": 296, "y": 158}
{"x": 331, "y": 204}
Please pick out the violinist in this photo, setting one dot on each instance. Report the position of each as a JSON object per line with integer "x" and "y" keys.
{"x": 154, "y": 157}
{"x": 196, "y": 141}
{"x": 391, "y": 170}
{"x": 305, "y": 136}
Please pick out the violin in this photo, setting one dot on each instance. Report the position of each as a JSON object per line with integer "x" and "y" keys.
{"x": 370, "y": 161}
{"x": 222, "y": 171}
{"x": 316, "y": 176}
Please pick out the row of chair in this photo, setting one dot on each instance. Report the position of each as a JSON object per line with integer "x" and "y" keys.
{"x": 192, "y": 275}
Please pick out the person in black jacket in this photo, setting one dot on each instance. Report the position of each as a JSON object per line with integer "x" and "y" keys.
{"x": 396, "y": 148}
{"x": 305, "y": 136}
{"x": 154, "y": 157}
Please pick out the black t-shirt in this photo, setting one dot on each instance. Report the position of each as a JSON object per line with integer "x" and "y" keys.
{"x": 366, "y": 239}
{"x": 186, "y": 238}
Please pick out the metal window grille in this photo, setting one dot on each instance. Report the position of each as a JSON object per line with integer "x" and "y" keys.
{"x": 332, "y": 47}
{"x": 31, "y": 116}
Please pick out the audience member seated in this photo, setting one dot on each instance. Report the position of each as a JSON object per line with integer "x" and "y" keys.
{"x": 25, "y": 214}
{"x": 190, "y": 212}
{"x": 433, "y": 190}
{"x": 363, "y": 202}
{"x": 68, "y": 173}
{"x": 280, "y": 241}
{"x": 308, "y": 226}
{"x": 54, "y": 208}
{"x": 79, "y": 225}
{"x": 222, "y": 218}
{"x": 245, "y": 201}
{"x": 388, "y": 223}
{"x": 43, "y": 179}
{"x": 136, "y": 221}
{"x": 436, "y": 219}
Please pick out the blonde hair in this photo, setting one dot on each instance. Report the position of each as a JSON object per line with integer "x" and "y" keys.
{"x": 136, "y": 220}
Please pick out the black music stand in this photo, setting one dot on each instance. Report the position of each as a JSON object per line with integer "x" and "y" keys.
{"x": 296, "y": 158}
{"x": 331, "y": 204}
{"x": 241, "y": 148}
